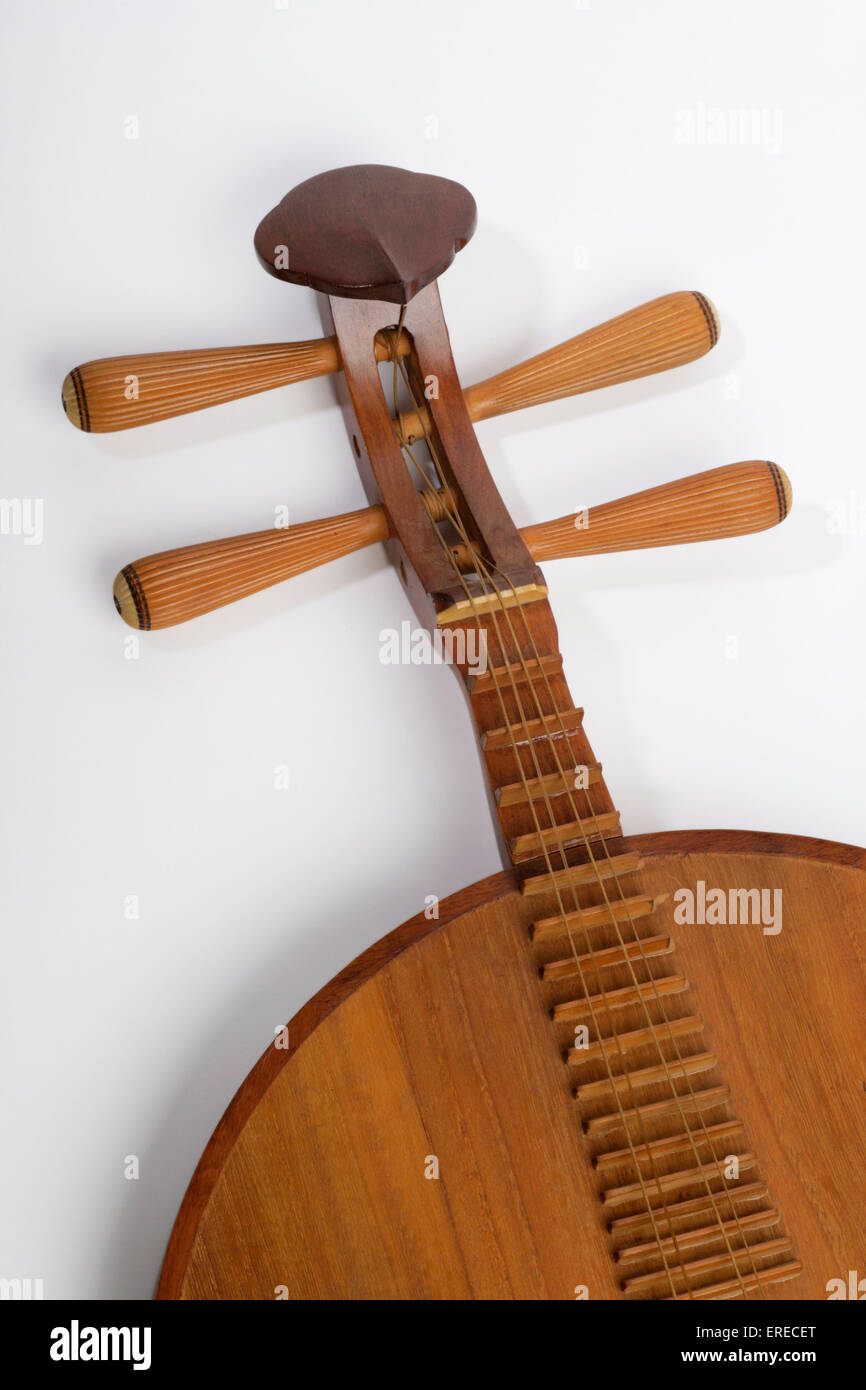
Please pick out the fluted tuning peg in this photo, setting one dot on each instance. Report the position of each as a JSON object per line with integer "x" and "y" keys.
{"x": 118, "y": 393}
{"x": 175, "y": 585}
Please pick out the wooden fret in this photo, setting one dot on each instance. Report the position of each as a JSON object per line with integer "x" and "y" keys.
{"x": 710, "y": 1264}
{"x": 706, "y": 1205}
{"x": 671, "y": 1182}
{"x": 519, "y": 672}
{"x": 619, "y": 998}
{"x": 563, "y": 836}
{"x": 685, "y": 1142}
{"x": 639, "y": 1037}
{"x": 584, "y": 919}
{"x": 645, "y": 948}
{"x": 659, "y": 1109}
{"x": 578, "y": 875}
{"x": 687, "y": 1240}
{"x": 549, "y": 726}
{"x": 539, "y": 788}
{"x": 746, "y": 1283}
{"x": 648, "y": 1076}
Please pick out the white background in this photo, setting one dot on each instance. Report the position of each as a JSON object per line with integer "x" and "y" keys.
{"x": 155, "y": 777}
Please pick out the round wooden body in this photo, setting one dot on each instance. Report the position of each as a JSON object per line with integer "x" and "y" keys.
{"x": 419, "y": 1139}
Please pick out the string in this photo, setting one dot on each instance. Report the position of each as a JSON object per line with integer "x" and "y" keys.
{"x": 627, "y": 961}
{"x": 627, "y": 956}
{"x": 484, "y": 575}
{"x": 484, "y": 578}
{"x": 666, "y": 1021}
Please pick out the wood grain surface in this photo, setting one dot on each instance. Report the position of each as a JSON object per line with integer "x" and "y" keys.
{"x": 735, "y": 500}
{"x": 438, "y": 1042}
{"x": 119, "y": 393}
{"x": 557, "y": 1086}
{"x": 666, "y": 332}
{"x": 173, "y": 586}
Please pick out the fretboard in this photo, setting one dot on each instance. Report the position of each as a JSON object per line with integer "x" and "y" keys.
{"x": 688, "y": 1212}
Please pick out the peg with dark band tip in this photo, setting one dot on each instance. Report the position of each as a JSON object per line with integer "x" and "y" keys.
{"x": 119, "y": 393}
{"x": 176, "y": 585}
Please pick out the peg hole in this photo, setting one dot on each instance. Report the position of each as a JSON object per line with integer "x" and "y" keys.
{"x": 356, "y": 446}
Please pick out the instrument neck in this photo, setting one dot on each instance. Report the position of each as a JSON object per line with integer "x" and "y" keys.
{"x": 549, "y": 795}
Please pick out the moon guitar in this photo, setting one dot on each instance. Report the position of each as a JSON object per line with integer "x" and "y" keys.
{"x": 560, "y": 1086}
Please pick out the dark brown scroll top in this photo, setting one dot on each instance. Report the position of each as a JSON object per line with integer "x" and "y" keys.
{"x": 367, "y": 232}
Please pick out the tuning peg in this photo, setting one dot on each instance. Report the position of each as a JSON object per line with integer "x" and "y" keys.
{"x": 731, "y": 501}
{"x": 665, "y": 332}
{"x": 176, "y": 585}
{"x": 117, "y": 393}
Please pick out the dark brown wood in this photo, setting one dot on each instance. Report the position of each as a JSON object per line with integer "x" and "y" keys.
{"x": 464, "y": 466}
{"x": 368, "y": 231}
{"x": 413, "y": 546}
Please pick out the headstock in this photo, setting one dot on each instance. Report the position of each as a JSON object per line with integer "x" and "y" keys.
{"x": 374, "y": 240}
